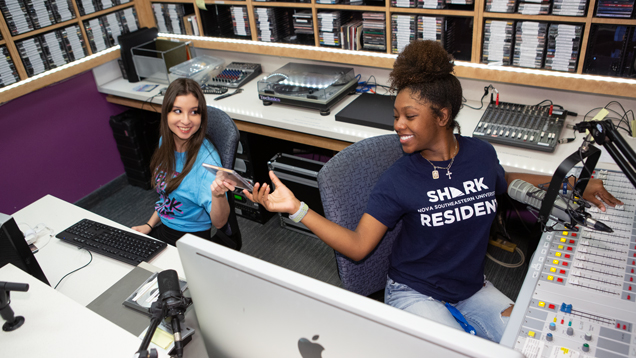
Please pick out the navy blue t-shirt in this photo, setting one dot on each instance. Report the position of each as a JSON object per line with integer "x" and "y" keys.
{"x": 441, "y": 249}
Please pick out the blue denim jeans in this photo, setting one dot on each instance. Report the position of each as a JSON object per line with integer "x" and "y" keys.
{"x": 482, "y": 310}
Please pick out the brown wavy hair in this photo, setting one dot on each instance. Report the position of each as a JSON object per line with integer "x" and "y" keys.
{"x": 163, "y": 160}
{"x": 425, "y": 68}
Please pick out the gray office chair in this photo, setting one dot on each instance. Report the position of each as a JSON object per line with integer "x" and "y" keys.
{"x": 345, "y": 183}
{"x": 225, "y": 137}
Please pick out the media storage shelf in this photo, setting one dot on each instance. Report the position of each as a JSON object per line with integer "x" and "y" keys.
{"x": 60, "y": 46}
{"x": 473, "y": 68}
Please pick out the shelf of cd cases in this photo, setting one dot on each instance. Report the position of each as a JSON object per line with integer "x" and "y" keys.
{"x": 52, "y": 39}
{"x": 103, "y": 31}
{"x": 169, "y": 18}
{"x": 403, "y": 31}
{"x": 386, "y": 27}
{"x": 8, "y": 72}
{"x": 374, "y": 31}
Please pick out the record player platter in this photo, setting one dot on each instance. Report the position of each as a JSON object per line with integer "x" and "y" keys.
{"x": 305, "y": 85}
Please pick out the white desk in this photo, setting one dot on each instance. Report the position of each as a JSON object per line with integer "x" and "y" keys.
{"x": 308, "y": 126}
{"x": 80, "y": 288}
{"x": 57, "y": 326}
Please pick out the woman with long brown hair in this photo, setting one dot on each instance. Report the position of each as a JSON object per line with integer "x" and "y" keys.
{"x": 191, "y": 198}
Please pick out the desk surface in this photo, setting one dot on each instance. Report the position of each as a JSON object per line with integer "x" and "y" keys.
{"x": 82, "y": 287}
{"x": 57, "y": 326}
{"x": 287, "y": 122}
{"x": 58, "y": 258}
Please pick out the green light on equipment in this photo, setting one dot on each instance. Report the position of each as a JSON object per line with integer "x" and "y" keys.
{"x": 238, "y": 197}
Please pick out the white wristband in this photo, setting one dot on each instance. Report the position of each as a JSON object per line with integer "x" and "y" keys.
{"x": 300, "y": 214}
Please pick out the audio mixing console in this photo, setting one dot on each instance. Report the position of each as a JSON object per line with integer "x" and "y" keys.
{"x": 579, "y": 296}
{"x": 530, "y": 127}
{"x": 236, "y": 74}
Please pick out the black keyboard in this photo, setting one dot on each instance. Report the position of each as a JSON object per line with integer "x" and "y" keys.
{"x": 115, "y": 243}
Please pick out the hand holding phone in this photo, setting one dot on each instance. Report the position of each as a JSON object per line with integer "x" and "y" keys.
{"x": 230, "y": 175}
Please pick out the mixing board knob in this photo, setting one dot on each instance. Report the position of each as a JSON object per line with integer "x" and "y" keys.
{"x": 548, "y": 337}
{"x": 588, "y": 337}
{"x": 586, "y": 347}
{"x": 570, "y": 331}
{"x": 552, "y": 326}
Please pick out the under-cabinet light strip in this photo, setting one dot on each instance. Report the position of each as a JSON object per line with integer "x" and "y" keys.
{"x": 386, "y": 55}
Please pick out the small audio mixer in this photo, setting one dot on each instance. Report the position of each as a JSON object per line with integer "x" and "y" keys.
{"x": 236, "y": 74}
{"x": 530, "y": 127}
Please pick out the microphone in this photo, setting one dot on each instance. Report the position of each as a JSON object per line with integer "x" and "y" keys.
{"x": 174, "y": 304}
{"x": 521, "y": 190}
{"x": 13, "y": 322}
{"x": 14, "y": 286}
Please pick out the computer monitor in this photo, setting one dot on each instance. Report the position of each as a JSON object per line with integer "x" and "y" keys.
{"x": 247, "y": 307}
{"x": 15, "y": 250}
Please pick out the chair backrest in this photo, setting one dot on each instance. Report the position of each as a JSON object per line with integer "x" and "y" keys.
{"x": 225, "y": 137}
{"x": 345, "y": 183}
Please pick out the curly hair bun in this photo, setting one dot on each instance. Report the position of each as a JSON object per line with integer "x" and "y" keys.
{"x": 421, "y": 62}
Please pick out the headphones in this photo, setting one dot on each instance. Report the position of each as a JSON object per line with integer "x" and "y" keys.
{"x": 32, "y": 235}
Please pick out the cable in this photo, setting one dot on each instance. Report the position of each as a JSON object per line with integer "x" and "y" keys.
{"x": 149, "y": 101}
{"x": 550, "y": 104}
{"x": 367, "y": 86}
{"x": 515, "y": 265}
{"x": 91, "y": 260}
{"x": 623, "y": 118}
{"x": 506, "y": 236}
{"x": 486, "y": 90}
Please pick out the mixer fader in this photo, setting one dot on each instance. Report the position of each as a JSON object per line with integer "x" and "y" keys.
{"x": 579, "y": 296}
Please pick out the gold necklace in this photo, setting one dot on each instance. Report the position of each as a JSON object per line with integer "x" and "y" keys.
{"x": 435, "y": 173}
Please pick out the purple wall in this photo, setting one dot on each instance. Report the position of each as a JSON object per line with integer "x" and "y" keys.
{"x": 57, "y": 141}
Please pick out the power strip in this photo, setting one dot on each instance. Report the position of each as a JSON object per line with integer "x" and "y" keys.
{"x": 503, "y": 244}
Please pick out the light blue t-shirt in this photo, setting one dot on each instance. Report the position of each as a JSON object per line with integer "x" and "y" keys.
{"x": 187, "y": 208}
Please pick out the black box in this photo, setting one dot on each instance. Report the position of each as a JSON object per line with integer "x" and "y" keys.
{"x": 300, "y": 176}
{"x": 136, "y": 134}
{"x": 370, "y": 110}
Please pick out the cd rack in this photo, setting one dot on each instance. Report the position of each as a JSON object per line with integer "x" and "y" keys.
{"x": 529, "y": 127}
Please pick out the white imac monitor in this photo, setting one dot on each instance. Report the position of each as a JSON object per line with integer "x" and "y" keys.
{"x": 247, "y": 307}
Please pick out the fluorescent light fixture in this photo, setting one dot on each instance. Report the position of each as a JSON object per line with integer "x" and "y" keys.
{"x": 61, "y": 68}
{"x": 278, "y": 45}
{"x": 386, "y": 55}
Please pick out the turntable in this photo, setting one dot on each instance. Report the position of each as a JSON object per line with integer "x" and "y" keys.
{"x": 305, "y": 85}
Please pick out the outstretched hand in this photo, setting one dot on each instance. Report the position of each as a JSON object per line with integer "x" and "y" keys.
{"x": 281, "y": 200}
{"x": 596, "y": 194}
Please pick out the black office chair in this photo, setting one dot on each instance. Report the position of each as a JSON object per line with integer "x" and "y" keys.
{"x": 345, "y": 183}
{"x": 225, "y": 137}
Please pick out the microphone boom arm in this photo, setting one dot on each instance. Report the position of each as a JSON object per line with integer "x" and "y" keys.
{"x": 592, "y": 154}
{"x": 606, "y": 134}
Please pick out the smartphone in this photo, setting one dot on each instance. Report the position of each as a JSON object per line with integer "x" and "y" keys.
{"x": 231, "y": 175}
{"x": 34, "y": 249}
